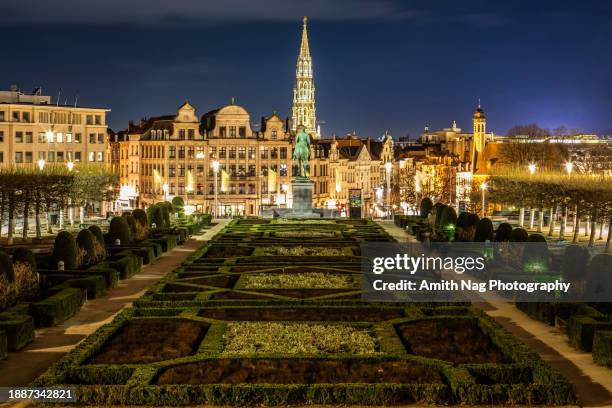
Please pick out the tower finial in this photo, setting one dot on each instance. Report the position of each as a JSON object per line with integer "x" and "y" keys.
{"x": 305, "y": 20}
{"x": 478, "y": 103}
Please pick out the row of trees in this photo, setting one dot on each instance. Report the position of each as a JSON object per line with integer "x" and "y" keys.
{"x": 589, "y": 197}
{"x": 26, "y": 192}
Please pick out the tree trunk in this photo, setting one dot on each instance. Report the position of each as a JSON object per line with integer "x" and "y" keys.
{"x": 592, "y": 236}
{"x": 541, "y": 220}
{"x": 522, "y": 217}
{"x": 2, "y": 208}
{"x": 609, "y": 240}
{"x": 587, "y": 226}
{"x": 11, "y": 219}
{"x": 49, "y": 226}
{"x": 26, "y": 216}
{"x": 576, "y": 224}
{"x": 37, "y": 218}
{"x": 551, "y": 222}
{"x": 531, "y": 217}
{"x": 601, "y": 229}
{"x": 563, "y": 225}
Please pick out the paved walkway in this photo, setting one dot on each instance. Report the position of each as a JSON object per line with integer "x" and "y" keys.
{"x": 23, "y": 366}
{"x": 593, "y": 382}
{"x": 396, "y": 232}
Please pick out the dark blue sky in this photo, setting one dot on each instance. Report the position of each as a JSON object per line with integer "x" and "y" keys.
{"x": 378, "y": 65}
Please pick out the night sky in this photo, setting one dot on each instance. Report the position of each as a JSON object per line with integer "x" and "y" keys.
{"x": 378, "y": 65}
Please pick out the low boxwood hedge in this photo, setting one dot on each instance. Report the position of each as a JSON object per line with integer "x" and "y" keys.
{"x": 581, "y": 330}
{"x": 3, "y": 345}
{"x": 167, "y": 242}
{"x": 126, "y": 263}
{"x": 19, "y": 329}
{"x": 602, "y": 347}
{"x": 57, "y": 308}
{"x": 94, "y": 285}
{"x": 110, "y": 274}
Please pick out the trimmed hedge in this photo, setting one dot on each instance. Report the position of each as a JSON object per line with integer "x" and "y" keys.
{"x": 602, "y": 348}
{"x": 167, "y": 242}
{"x": 111, "y": 275}
{"x": 141, "y": 216}
{"x": 97, "y": 232}
{"x": 6, "y": 267}
{"x": 119, "y": 229}
{"x": 56, "y": 308}
{"x": 574, "y": 264}
{"x": 85, "y": 240}
{"x": 64, "y": 249}
{"x": 94, "y": 285}
{"x": 484, "y": 231}
{"x": 503, "y": 233}
{"x": 426, "y": 206}
{"x": 19, "y": 329}
{"x": 3, "y": 345}
{"x": 581, "y": 330}
{"x": 155, "y": 216}
{"x": 24, "y": 255}
{"x": 128, "y": 264}
{"x": 519, "y": 235}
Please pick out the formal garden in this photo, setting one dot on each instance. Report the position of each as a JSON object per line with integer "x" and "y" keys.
{"x": 44, "y": 285}
{"x": 588, "y": 324}
{"x": 270, "y": 312}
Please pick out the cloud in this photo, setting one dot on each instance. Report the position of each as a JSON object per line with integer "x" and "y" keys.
{"x": 179, "y": 12}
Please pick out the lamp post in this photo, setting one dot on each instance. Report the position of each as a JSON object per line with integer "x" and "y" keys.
{"x": 41, "y": 164}
{"x": 215, "y": 166}
{"x": 165, "y": 190}
{"x": 284, "y": 188}
{"x": 388, "y": 168}
{"x": 483, "y": 188}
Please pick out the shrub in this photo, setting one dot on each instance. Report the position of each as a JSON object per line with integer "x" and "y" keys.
{"x": 85, "y": 240}
{"x": 426, "y": 206}
{"x": 536, "y": 255}
{"x": 26, "y": 282}
{"x": 119, "y": 229}
{"x": 131, "y": 223}
{"x": 574, "y": 264}
{"x": 178, "y": 203}
{"x": 519, "y": 235}
{"x": 599, "y": 279}
{"x": 602, "y": 348}
{"x": 65, "y": 249}
{"x": 6, "y": 267}
{"x": 434, "y": 214}
{"x": 155, "y": 216}
{"x": 484, "y": 230}
{"x": 97, "y": 233}
{"x": 448, "y": 216}
{"x": 166, "y": 210}
{"x": 140, "y": 216}
{"x": 57, "y": 308}
{"x": 504, "y": 230}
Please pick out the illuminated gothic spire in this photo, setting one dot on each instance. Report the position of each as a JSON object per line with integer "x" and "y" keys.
{"x": 304, "y": 111}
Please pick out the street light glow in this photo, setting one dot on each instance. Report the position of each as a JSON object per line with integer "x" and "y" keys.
{"x": 200, "y": 155}
{"x": 484, "y": 186}
{"x": 70, "y": 165}
{"x": 49, "y": 136}
{"x": 388, "y": 167}
{"x": 532, "y": 168}
{"x": 41, "y": 164}
{"x": 569, "y": 167}
{"x": 215, "y": 166}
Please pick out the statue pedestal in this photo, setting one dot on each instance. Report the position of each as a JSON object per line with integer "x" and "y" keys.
{"x": 302, "y": 198}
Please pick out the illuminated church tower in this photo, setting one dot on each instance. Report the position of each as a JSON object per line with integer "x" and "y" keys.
{"x": 478, "y": 143}
{"x": 304, "y": 112}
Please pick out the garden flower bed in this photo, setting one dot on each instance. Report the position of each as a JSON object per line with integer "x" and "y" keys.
{"x": 250, "y": 338}
{"x": 311, "y": 280}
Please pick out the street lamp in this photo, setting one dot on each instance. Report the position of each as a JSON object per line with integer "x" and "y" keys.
{"x": 483, "y": 188}
{"x": 569, "y": 167}
{"x": 200, "y": 155}
{"x": 215, "y": 166}
{"x": 532, "y": 168}
{"x": 284, "y": 188}
{"x": 70, "y": 165}
{"x": 41, "y": 164}
{"x": 165, "y": 190}
{"x": 388, "y": 168}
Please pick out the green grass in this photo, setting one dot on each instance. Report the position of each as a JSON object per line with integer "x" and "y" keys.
{"x": 248, "y": 338}
{"x": 310, "y": 280}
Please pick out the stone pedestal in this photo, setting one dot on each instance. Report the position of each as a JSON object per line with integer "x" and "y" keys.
{"x": 302, "y": 198}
